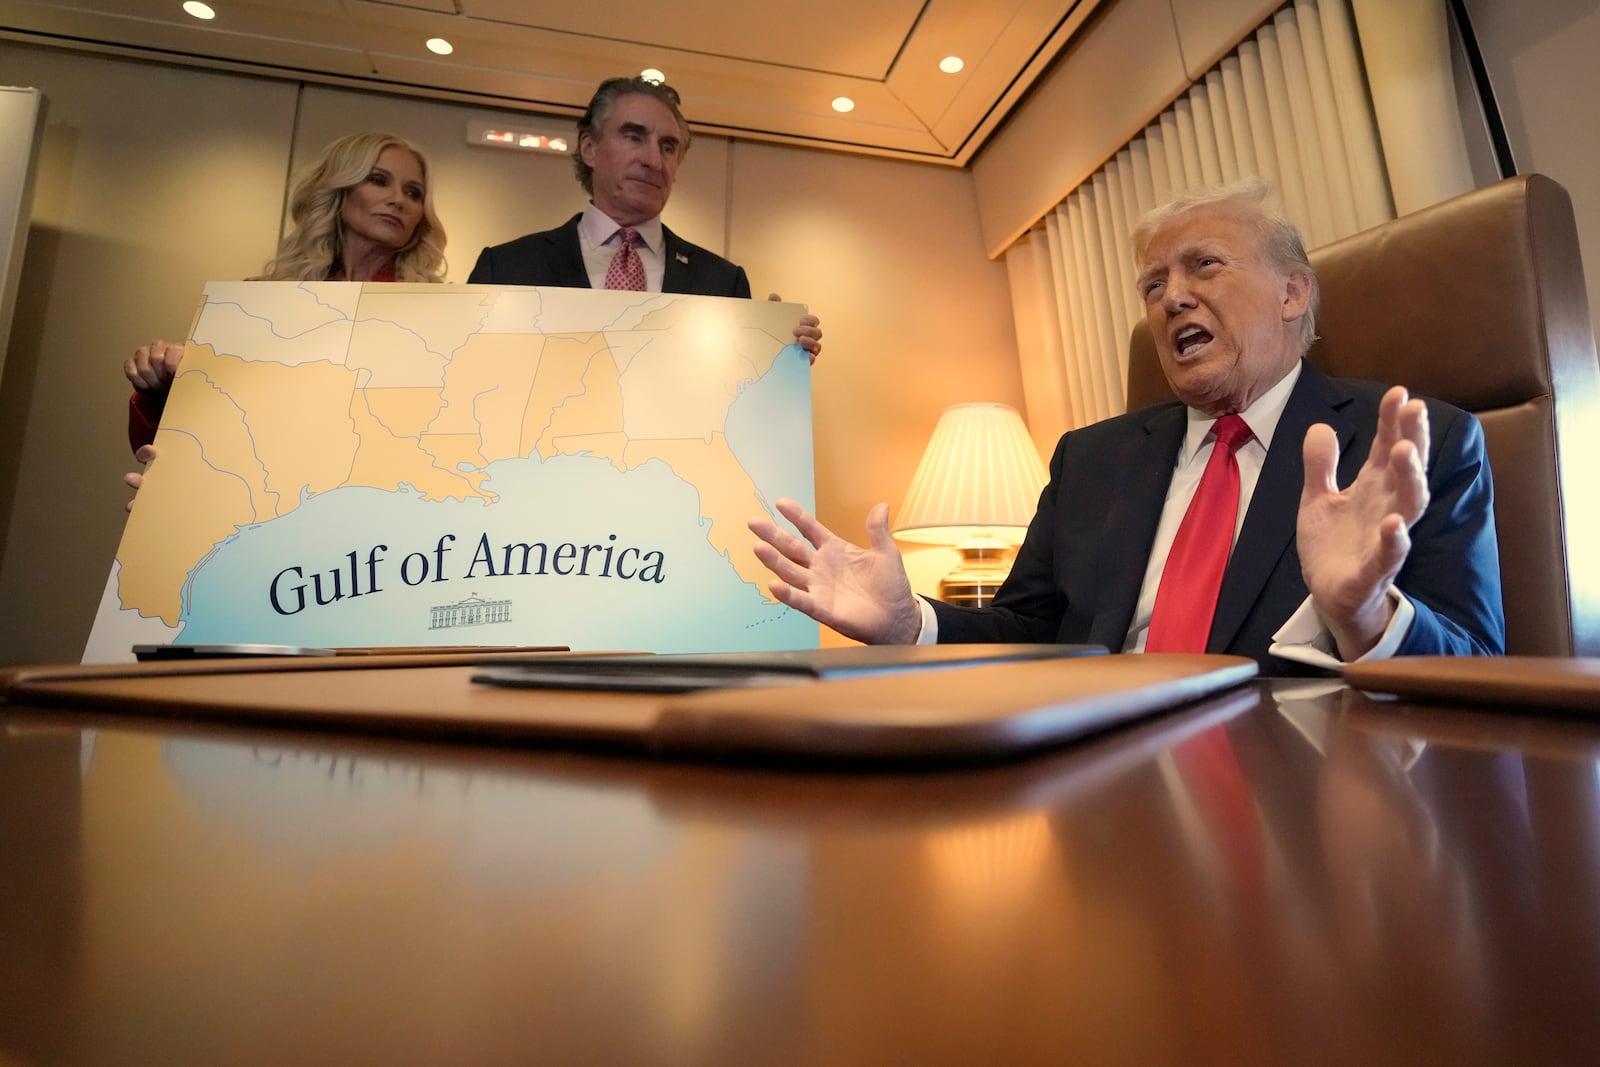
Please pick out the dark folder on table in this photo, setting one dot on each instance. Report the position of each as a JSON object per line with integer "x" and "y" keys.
{"x": 685, "y": 672}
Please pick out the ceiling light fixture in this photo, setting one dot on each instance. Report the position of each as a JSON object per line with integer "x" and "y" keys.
{"x": 843, "y": 104}
{"x": 440, "y": 46}
{"x": 951, "y": 64}
{"x": 651, "y": 74}
{"x": 199, "y": 10}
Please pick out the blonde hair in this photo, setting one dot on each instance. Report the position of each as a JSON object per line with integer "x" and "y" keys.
{"x": 312, "y": 248}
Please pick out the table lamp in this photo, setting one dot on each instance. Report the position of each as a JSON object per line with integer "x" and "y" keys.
{"x": 975, "y": 489}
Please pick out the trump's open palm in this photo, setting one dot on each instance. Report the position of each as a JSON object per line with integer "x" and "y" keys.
{"x": 863, "y": 593}
{"x": 1353, "y": 542}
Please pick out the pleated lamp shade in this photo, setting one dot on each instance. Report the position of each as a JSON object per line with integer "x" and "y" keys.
{"x": 979, "y": 479}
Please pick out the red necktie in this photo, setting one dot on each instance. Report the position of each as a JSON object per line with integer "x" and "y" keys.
{"x": 1187, "y": 597}
{"x": 627, "y": 269}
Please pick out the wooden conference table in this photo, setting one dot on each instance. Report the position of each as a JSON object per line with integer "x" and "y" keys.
{"x": 1382, "y": 883}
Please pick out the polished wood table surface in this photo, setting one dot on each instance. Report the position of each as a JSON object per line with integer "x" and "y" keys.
{"x": 1287, "y": 875}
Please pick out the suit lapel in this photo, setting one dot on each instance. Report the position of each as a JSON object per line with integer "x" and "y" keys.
{"x": 1129, "y": 526}
{"x": 1269, "y": 526}
{"x": 679, "y": 274}
{"x": 565, "y": 256}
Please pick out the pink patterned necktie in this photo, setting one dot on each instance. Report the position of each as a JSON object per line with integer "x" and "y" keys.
{"x": 1187, "y": 596}
{"x": 627, "y": 269}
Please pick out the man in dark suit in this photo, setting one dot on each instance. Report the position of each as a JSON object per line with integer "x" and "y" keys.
{"x": 630, "y": 142}
{"x": 1400, "y": 561}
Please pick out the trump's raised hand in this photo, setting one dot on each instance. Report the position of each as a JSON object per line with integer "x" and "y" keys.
{"x": 1353, "y": 542}
{"x": 863, "y": 593}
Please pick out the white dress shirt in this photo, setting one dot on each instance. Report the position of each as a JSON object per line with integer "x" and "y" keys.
{"x": 598, "y": 237}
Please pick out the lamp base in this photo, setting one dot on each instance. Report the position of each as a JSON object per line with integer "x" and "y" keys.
{"x": 975, "y": 581}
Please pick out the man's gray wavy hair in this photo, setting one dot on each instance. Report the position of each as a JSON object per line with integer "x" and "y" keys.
{"x": 1250, "y": 200}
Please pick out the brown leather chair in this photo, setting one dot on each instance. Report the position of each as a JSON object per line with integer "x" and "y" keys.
{"x": 1480, "y": 302}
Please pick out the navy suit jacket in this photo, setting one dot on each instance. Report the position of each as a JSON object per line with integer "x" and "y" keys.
{"x": 554, "y": 257}
{"x": 1079, "y": 570}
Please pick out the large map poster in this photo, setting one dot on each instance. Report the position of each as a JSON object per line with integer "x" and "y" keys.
{"x": 346, "y": 465}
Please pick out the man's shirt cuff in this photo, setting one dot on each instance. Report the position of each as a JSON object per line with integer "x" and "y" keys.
{"x": 1304, "y": 639}
{"x": 930, "y": 623}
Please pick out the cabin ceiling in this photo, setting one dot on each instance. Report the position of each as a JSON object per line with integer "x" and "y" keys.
{"x": 767, "y": 71}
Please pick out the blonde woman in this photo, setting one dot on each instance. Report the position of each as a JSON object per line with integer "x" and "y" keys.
{"x": 363, "y": 212}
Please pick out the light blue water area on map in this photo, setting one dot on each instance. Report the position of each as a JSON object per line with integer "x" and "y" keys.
{"x": 776, "y": 407}
{"x": 648, "y": 513}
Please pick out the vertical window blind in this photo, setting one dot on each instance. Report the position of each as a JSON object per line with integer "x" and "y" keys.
{"x": 1290, "y": 105}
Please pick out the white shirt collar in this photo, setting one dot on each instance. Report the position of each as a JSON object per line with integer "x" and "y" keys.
{"x": 1262, "y": 417}
{"x": 595, "y": 228}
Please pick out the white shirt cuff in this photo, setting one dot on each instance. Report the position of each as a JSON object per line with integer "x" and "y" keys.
{"x": 1304, "y": 639}
{"x": 930, "y": 623}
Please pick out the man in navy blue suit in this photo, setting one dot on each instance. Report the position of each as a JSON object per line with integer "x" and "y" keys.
{"x": 630, "y": 141}
{"x": 1365, "y": 526}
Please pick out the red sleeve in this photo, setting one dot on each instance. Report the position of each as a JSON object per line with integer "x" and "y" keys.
{"x": 144, "y": 415}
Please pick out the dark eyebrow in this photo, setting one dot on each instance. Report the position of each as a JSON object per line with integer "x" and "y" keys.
{"x": 633, "y": 127}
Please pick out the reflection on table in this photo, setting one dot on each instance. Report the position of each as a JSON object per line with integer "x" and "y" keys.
{"x": 1371, "y": 882}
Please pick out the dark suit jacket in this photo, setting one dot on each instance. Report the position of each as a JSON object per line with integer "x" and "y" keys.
{"x": 554, "y": 257}
{"x": 1078, "y": 573}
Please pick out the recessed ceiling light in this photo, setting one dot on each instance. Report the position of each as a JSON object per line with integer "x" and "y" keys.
{"x": 440, "y": 46}
{"x": 199, "y": 10}
{"x": 951, "y": 64}
{"x": 651, "y": 74}
{"x": 843, "y": 103}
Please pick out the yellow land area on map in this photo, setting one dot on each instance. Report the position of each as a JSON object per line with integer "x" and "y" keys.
{"x": 405, "y": 392}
